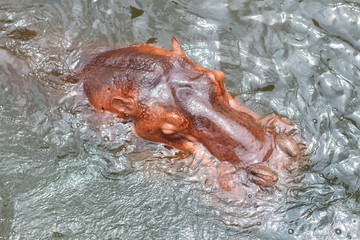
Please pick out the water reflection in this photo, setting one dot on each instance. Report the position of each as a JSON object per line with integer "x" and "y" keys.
{"x": 68, "y": 171}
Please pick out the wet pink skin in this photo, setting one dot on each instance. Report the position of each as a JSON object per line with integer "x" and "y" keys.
{"x": 172, "y": 100}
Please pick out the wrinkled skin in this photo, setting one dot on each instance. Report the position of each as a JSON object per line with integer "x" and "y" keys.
{"x": 172, "y": 100}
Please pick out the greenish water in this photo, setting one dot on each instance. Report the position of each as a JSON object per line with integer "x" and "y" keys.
{"x": 70, "y": 172}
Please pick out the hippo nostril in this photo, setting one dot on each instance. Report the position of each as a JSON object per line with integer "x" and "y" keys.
{"x": 287, "y": 145}
{"x": 262, "y": 175}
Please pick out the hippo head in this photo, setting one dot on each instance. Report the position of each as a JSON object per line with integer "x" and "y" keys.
{"x": 172, "y": 100}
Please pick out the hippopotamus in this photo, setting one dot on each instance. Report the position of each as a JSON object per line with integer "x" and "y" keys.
{"x": 172, "y": 100}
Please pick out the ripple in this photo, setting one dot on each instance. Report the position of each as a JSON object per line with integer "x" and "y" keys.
{"x": 82, "y": 173}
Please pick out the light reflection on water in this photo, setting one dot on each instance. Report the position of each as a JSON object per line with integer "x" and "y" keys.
{"x": 71, "y": 172}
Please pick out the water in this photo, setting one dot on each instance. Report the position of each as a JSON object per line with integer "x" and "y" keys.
{"x": 70, "y": 172}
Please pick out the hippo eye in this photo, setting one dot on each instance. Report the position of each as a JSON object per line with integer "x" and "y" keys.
{"x": 174, "y": 133}
{"x": 168, "y": 128}
{"x": 170, "y": 131}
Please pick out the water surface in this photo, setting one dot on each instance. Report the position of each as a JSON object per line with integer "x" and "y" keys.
{"x": 70, "y": 172}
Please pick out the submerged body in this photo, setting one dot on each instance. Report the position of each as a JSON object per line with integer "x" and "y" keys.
{"x": 172, "y": 100}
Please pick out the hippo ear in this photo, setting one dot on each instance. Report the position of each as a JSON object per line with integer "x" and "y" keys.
{"x": 219, "y": 75}
{"x": 123, "y": 105}
{"x": 175, "y": 122}
{"x": 176, "y": 47}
